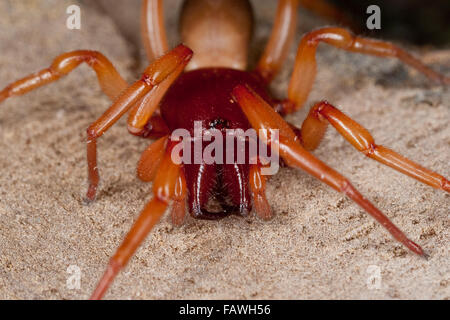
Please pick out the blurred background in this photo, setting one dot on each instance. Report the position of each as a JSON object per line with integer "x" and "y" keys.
{"x": 407, "y": 22}
{"x": 414, "y": 21}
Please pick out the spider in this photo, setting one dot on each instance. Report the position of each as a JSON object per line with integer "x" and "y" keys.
{"x": 211, "y": 84}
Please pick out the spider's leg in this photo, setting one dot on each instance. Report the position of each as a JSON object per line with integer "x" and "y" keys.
{"x": 323, "y": 113}
{"x": 110, "y": 80}
{"x": 150, "y": 160}
{"x": 147, "y": 170}
{"x": 158, "y": 76}
{"x": 163, "y": 190}
{"x": 153, "y": 30}
{"x": 154, "y": 75}
{"x": 258, "y": 189}
{"x": 155, "y": 127}
{"x": 282, "y": 35}
{"x": 262, "y": 116}
{"x": 179, "y": 201}
{"x": 305, "y": 67}
{"x": 280, "y": 40}
{"x": 142, "y": 115}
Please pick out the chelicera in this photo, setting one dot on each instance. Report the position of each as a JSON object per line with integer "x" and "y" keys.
{"x": 211, "y": 84}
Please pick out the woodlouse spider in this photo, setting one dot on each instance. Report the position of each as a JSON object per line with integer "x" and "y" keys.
{"x": 211, "y": 84}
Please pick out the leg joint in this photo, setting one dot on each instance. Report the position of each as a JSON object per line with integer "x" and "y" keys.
{"x": 345, "y": 186}
{"x": 91, "y": 133}
{"x": 147, "y": 80}
{"x": 318, "y": 110}
{"x": 370, "y": 150}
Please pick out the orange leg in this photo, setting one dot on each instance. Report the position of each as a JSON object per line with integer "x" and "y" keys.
{"x": 140, "y": 114}
{"x": 150, "y": 160}
{"x": 164, "y": 188}
{"x": 155, "y": 74}
{"x": 155, "y": 128}
{"x": 262, "y": 116}
{"x": 280, "y": 39}
{"x": 306, "y": 66}
{"x": 283, "y": 32}
{"x": 110, "y": 80}
{"x": 315, "y": 125}
{"x": 168, "y": 67}
{"x": 258, "y": 189}
{"x": 179, "y": 201}
{"x": 153, "y": 30}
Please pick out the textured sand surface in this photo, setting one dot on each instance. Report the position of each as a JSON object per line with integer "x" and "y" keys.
{"x": 319, "y": 245}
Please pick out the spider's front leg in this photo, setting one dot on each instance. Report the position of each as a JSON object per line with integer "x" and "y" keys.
{"x": 167, "y": 185}
{"x": 283, "y": 32}
{"x": 305, "y": 67}
{"x": 144, "y": 94}
{"x": 258, "y": 188}
{"x": 322, "y": 113}
{"x": 262, "y": 116}
{"x": 303, "y": 78}
{"x": 153, "y": 31}
{"x": 109, "y": 79}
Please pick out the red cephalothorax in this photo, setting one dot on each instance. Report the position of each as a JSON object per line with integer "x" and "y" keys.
{"x": 205, "y": 95}
{"x": 206, "y": 81}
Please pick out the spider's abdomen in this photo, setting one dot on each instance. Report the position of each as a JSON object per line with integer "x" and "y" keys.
{"x": 205, "y": 95}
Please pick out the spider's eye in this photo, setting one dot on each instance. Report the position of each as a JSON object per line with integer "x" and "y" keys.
{"x": 219, "y": 124}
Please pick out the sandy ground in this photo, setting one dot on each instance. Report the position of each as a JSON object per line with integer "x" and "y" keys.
{"x": 319, "y": 245}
